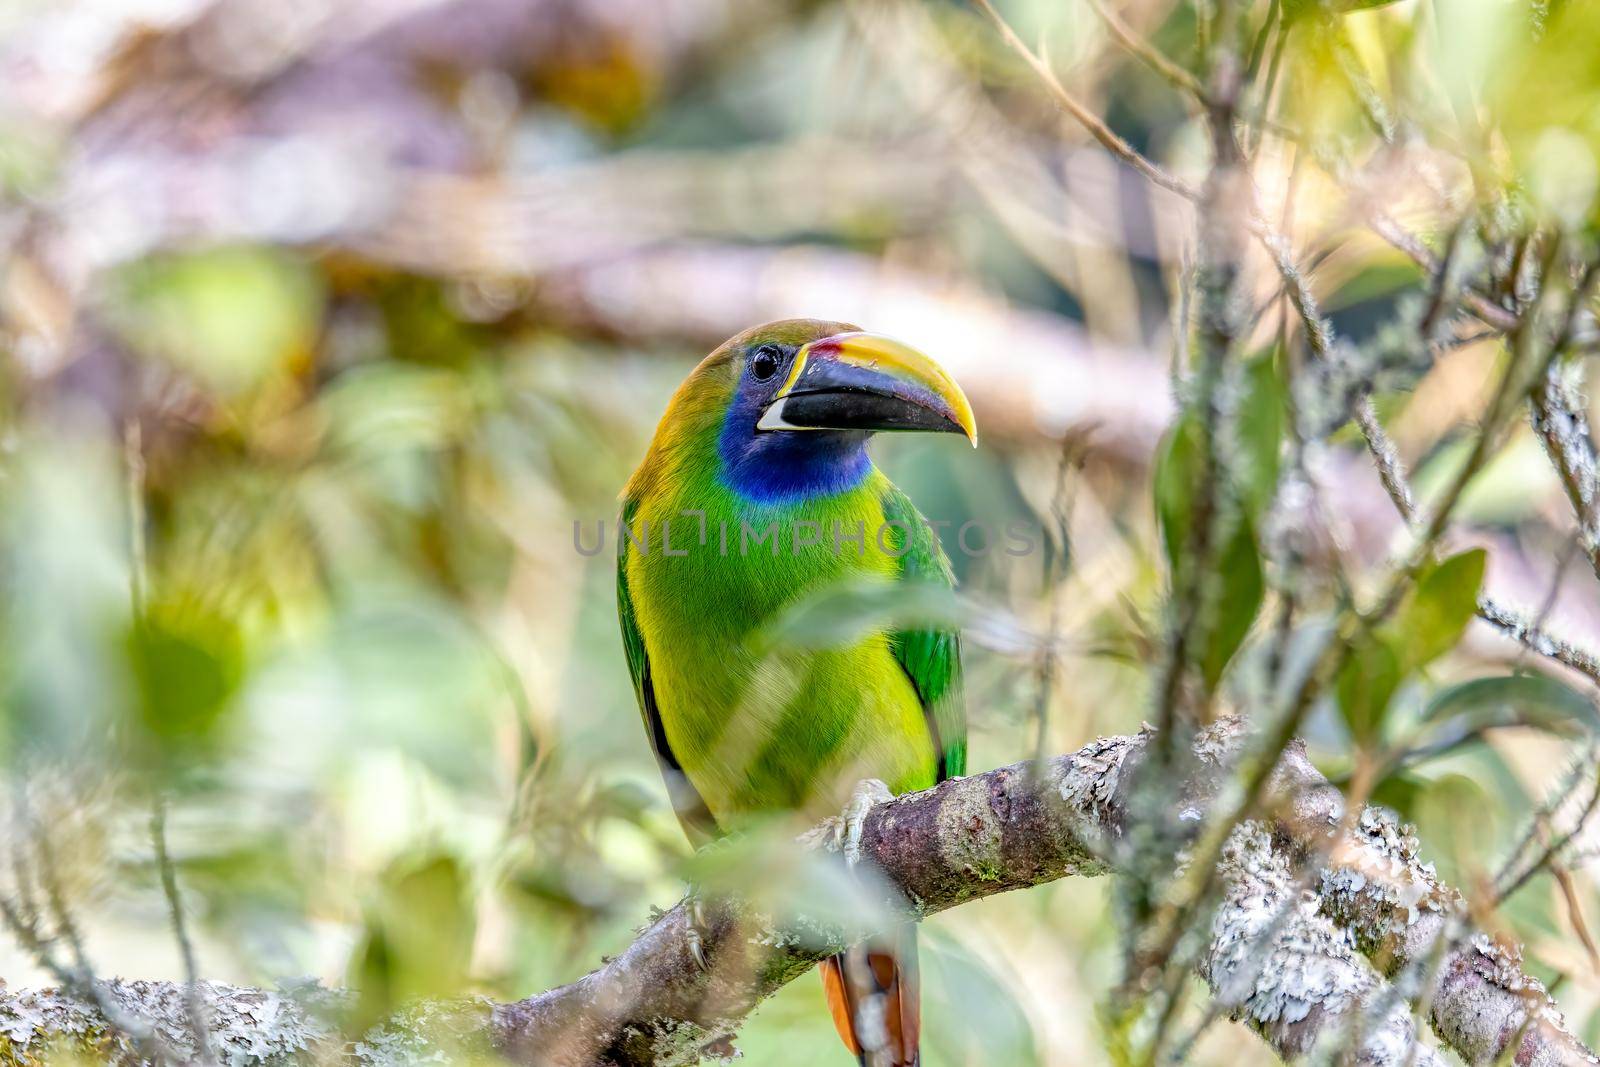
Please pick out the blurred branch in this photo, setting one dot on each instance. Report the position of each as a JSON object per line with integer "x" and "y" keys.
{"x": 1565, "y": 433}
{"x": 1152, "y": 56}
{"x": 1180, "y": 78}
{"x": 1025, "y": 371}
{"x": 1562, "y": 425}
{"x": 194, "y": 1007}
{"x": 1353, "y": 629}
{"x": 1557, "y": 412}
{"x": 1066, "y": 207}
{"x": 1091, "y": 122}
{"x": 1527, "y": 630}
{"x": 39, "y": 927}
{"x": 1284, "y": 962}
{"x": 1525, "y": 861}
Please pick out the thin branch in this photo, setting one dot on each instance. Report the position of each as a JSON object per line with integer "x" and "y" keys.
{"x": 1274, "y": 66}
{"x": 1353, "y": 628}
{"x": 1152, "y": 56}
{"x": 134, "y": 472}
{"x": 1574, "y": 905}
{"x": 1386, "y": 457}
{"x": 1356, "y": 81}
{"x": 1529, "y": 633}
{"x": 1561, "y": 422}
{"x": 194, "y": 1007}
{"x": 1482, "y": 307}
{"x": 1061, "y": 502}
{"x": 1258, "y": 48}
{"x": 1107, "y": 137}
{"x": 76, "y": 977}
{"x": 1553, "y": 849}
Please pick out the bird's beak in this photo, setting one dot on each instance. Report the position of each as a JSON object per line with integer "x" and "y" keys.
{"x": 861, "y": 381}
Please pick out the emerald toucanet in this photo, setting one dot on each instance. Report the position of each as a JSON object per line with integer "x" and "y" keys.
{"x": 756, "y": 492}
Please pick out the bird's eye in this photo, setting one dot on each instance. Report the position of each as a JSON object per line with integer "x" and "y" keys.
{"x": 764, "y": 362}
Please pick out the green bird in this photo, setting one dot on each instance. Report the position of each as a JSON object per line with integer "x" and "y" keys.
{"x": 756, "y": 492}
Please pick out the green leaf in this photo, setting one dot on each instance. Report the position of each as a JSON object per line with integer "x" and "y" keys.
{"x": 1258, "y": 438}
{"x": 1239, "y": 599}
{"x": 960, "y": 987}
{"x": 186, "y": 665}
{"x": 1177, "y": 472}
{"x": 841, "y": 614}
{"x": 1365, "y": 687}
{"x": 1385, "y": 275}
{"x": 1401, "y": 792}
{"x": 1260, "y": 426}
{"x": 1436, "y": 614}
{"x": 1236, "y": 559}
{"x": 1296, "y": 9}
{"x": 1514, "y": 701}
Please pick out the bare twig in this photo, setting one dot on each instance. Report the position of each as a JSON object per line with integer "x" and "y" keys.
{"x": 1152, "y": 56}
{"x": 1531, "y": 634}
{"x": 1336, "y": 652}
{"x": 1391, "y": 470}
{"x": 1574, "y": 905}
{"x": 1509, "y": 883}
{"x": 1091, "y": 122}
{"x": 1050, "y": 654}
{"x": 1355, "y": 78}
{"x": 194, "y": 1007}
{"x": 77, "y": 977}
{"x": 1561, "y": 422}
{"x": 134, "y": 472}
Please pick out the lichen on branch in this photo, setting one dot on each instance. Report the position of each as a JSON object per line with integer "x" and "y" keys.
{"x": 1286, "y": 954}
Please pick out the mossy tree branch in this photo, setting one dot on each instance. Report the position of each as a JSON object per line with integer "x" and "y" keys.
{"x": 1286, "y": 962}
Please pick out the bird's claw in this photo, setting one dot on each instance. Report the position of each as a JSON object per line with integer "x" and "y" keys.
{"x": 851, "y": 824}
{"x": 691, "y": 933}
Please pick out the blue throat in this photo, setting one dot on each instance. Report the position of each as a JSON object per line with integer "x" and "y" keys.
{"x": 782, "y": 467}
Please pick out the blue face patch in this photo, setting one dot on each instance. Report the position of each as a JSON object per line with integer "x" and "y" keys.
{"x": 784, "y": 466}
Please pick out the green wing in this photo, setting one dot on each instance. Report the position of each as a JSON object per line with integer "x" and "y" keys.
{"x": 931, "y": 657}
{"x": 696, "y": 818}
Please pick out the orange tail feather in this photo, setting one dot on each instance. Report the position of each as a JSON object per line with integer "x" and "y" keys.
{"x": 874, "y": 993}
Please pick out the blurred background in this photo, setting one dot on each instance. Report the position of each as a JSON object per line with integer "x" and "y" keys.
{"x": 326, "y": 324}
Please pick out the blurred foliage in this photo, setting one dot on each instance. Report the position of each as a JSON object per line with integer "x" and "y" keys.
{"x": 1182, "y": 475}
{"x": 418, "y": 938}
{"x": 1428, "y": 623}
{"x": 232, "y": 317}
{"x": 298, "y": 410}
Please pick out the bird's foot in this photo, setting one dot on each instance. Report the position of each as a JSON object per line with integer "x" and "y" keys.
{"x": 842, "y": 833}
{"x": 695, "y": 902}
{"x": 692, "y": 930}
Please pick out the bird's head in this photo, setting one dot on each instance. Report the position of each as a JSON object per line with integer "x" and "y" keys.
{"x": 793, "y": 403}
{"x": 828, "y": 378}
